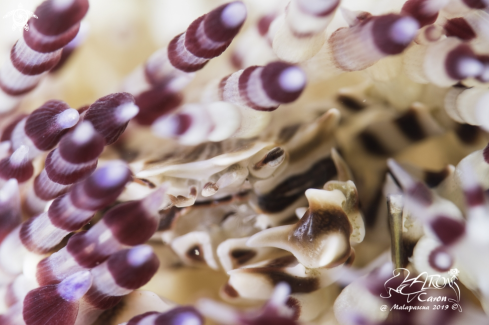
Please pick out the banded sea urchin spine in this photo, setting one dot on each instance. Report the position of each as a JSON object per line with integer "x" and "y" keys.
{"x": 300, "y": 32}
{"x": 39, "y": 50}
{"x": 43, "y": 128}
{"x": 74, "y": 160}
{"x": 157, "y": 84}
{"x": 122, "y": 273}
{"x": 365, "y": 42}
{"x": 127, "y": 224}
{"x": 66, "y": 214}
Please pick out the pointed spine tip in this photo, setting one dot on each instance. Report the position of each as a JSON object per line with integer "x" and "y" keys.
{"x": 126, "y": 112}
{"x": 83, "y": 132}
{"x": 67, "y": 118}
{"x": 20, "y": 156}
{"x": 74, "y": 287}
{"x": 234, "y": 14}
{"x": 139, "y": 255}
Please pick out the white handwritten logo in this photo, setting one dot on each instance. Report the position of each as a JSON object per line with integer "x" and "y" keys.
{"x": 418, "y": 287}
{"x": 20, "y": 17}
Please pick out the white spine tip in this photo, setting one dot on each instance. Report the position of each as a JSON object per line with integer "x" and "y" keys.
{"x": 126, "y": 112}
{"x": 292, "y": 79}
{"x": 68, "y": 118}
{"x": 20, "y": 155}
{"x": 111, "y": 174}
{"x": 139, "y": 255}
{"x": 187, "y": 319}
{"x": 280, "y": 294}
{"x": 166, "y": 126}
{"x": 83, "y": 132}
{"x": 470, "y": 67}
{"x": 9, "y": 190}
{"x": 234, "y": 14}
{"x": 75, "y": 286}
{"x": 404, "y": 30}
{"x": 443, "y": 260}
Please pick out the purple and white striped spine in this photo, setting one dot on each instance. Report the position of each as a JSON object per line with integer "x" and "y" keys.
{"x": 300, "y": 33}
{"x": 43, "y": 128}
{"x": 110, "y": 115}
{"x": 75, "y": 209}
{"x": 66, "y": 214}
{"x": 157, "y": 84}
{"x": 39, "y": 50}
{"x": 263, "y": 88}
{"x": 74, "y": 159}
{"x": 442, "y": 63}
{"x": 424, "y": 11}
{"x": 366, "y": 41}
{"x": 124, "y": 272}
{"x": 237, "y": 107}
{"x": 59, "y": 303}
{"x": 18, "y": 166}
{"x": 128, "y": 224}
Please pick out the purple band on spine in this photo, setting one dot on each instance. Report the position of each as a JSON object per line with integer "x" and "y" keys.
{"x": 381, "y": 33}
{"x": 270, "y": 77}
{"x": 100, "y": 300}
{"x": 156, "y": 102}
{"x": 35, "y": 69}
{"x": 130, "y": 224}
{"x": 176, "y": 60}
{"x": 41, "y": 126}
{"x": 459, "y": 27}
{"x": 21, "y": 173}
{"x": 215, "y": 29}
{"x": 102, "y": 115}
{"x": 128, "y": 276}
{"x": 476, "y": 4}
{"x": 452, "y": 61}
{"x": 244, "y": 78}
{"x": 76, "y": 153}
{"x": 448, "y": 230}
{"x": 192, "y": 43}
{"x": 45, "y": 273}
{"x": 46, "y": 44}
{"x": 65, "y": 219}
{"x": 82, "y": 250}
{"x": 53, "y": 21}
{"x": 70, "y": 177}
{"x": 416, "y": 9}
{"x": 16, "y": 92}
